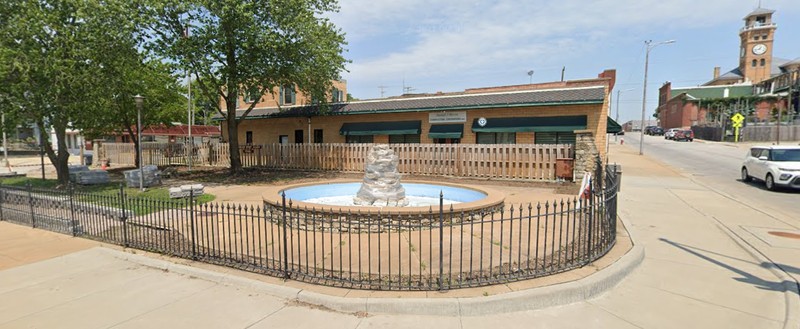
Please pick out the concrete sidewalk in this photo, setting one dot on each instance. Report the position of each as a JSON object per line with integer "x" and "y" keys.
{"x": 697, "y": 273}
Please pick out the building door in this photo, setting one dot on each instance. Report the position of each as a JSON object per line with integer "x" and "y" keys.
{"x": 298, "y": 136}
{"x": 283, "y": 139}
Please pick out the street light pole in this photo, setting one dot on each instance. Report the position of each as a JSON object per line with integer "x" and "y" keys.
{"x": 649, "y": 44}
{"x": 616, "y": 116}
{"x": 139, "y": 100}
{"x": 5, "y": 146}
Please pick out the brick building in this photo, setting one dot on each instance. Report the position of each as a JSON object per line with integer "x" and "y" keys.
{"x": 688, "y": 106}
{"x": 547, "y": 113}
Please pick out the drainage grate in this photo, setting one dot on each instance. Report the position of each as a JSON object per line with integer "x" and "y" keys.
{"x": 785, "y": 234}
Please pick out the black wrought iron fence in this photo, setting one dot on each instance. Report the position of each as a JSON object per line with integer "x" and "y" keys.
{"x": 448, "y": 249}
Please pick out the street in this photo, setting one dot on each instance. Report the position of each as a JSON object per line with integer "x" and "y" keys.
{"x": 717, "y": 166}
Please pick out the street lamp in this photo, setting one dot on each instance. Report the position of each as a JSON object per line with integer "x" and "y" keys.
{"x": 650, "y": 45}
{"x": 616, "y": 116}
{"x": 139, "y": 100}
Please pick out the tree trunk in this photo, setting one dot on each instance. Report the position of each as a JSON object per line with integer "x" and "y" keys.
{"x": 59, "y": 157}
{"x": 233, "y": 137}
{"x": 135, "y": 144}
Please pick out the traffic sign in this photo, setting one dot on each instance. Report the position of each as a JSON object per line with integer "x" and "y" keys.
{"x": 737, "y": 118}
{"x": 737, "y": 124}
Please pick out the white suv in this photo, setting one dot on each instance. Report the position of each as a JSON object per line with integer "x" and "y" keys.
{"x": 670, "y": 133}
{"x": 775, "y": 165}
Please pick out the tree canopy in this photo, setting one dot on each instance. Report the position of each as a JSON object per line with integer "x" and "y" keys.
{"x": 233, "y": 46}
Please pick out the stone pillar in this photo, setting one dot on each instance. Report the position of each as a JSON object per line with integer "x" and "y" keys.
{"x": 586, "y": 153}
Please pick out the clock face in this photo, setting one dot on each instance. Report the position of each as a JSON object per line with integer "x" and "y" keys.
{"x": 759, "y": 49}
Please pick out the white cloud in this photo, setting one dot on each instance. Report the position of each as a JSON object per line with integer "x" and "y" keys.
{"x": 425, "y": 39}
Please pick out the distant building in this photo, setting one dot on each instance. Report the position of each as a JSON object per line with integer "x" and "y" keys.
{"x": 749, "y": 88}
{"x": 636, "y": 125}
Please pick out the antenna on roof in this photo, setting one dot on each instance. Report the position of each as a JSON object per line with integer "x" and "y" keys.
{"x": 382, "y": 89}
{"x": 530, "y": 77}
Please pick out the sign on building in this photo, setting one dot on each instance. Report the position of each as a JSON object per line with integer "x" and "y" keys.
{"x": 447, "y": 117}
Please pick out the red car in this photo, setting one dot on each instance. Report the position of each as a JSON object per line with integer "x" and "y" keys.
{"x": 684, "y": 135}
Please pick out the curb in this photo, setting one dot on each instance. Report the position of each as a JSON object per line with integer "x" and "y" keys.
{"x": 525, "y": 300}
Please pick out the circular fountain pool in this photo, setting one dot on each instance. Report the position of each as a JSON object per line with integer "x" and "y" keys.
{"x": 418, "y": 194}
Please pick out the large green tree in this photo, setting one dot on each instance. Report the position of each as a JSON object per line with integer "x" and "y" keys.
{"x": 50, "y": 64}
{"x": 77, "y": 64}
{"x": 235, "y": 46}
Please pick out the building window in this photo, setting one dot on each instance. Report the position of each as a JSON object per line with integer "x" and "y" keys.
{"x": 248, "y": 137}
{"x": 756, "y": 37}
{"x": 288, "y": 95}
{"x": 318, "y": 136}
{"x": 250, "y": 96}
{"x": 554, "y": 138}
{"x": 447, "y": 140}
{"x": 404, "y": 139}
{"x": 359, "y": 139}
{"x": 495, "y": 138}
{"x": 755, "y": 63}
{"x": 763, "y": 62}
{"x": 298, "y": 136}
{"x": 337, "y": 95}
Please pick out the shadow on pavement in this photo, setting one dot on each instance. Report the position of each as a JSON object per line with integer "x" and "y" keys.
{"x": 745, "y": 276}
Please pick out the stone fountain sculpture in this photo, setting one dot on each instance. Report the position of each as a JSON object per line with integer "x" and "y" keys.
{"x": 381, "y": 181}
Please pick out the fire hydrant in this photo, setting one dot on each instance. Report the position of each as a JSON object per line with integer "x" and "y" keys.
{"x": 622, "y": 141}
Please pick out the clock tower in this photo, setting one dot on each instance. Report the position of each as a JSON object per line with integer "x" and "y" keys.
{"x": 755, "y": 53}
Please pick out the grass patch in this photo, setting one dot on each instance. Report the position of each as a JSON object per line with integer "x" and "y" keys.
{"x": 141, "y": 203}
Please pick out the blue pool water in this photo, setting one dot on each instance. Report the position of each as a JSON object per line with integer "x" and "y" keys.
{"x": 418, "y": 194}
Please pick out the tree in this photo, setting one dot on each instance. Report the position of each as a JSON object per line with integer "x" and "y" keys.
{"x": 51, "y": 67}
{"x": 233, "y": 46}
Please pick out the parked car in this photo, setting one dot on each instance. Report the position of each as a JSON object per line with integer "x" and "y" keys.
{"x": 670, "y": 133}
{"x": 683, "y": 135}
{"x": 647, "y": 130}
{"x": 657, "y": 131}
{"x": 777, "y": 166}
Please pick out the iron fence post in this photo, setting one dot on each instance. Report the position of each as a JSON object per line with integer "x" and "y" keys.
{"x": 2, "y": 201}
{"x": 285, "y": 245}
{"x": 124, "y": 216}
{"x": 72, "y": 220}
{"x": 590, "y": 229}
{"x": 30, "y": 202}
{"x": 191, "y": 222}
{"x": 441, "y": 240}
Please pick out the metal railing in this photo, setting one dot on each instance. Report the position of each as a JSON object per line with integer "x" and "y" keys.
{"x": 355, "y": 250}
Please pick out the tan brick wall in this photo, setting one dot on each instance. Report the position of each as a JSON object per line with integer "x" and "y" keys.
{"x": 268, "y": 100}
{"x": 268, "y": 130}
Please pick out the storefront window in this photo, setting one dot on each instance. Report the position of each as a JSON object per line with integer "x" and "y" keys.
{"x": 359, "y": 139}
{"x": 404, "y": 139}
{"x": 496, "y": 138}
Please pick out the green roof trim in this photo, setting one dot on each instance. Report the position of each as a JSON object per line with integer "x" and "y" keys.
{"x": 380, "y": 128}
{"x": 715, "y": 92}
{"x": 531, "y": 124}
{"x": 446, "y": 131}
{"x": 612, "y": 127}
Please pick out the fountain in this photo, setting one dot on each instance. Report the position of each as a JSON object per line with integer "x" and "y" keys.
{"x": 381, "y": 180}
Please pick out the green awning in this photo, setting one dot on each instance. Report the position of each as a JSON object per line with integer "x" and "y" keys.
{"x": 446, "y": 131}
{"x": 612, "y": 127}
{"x": 528, "y": 124}
{"x": 380, "y": 128}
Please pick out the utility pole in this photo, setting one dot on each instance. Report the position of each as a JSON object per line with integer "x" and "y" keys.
{"x": 650, "y": 47}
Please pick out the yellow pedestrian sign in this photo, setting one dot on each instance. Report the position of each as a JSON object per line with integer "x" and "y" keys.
{"x": 738, "y": 120}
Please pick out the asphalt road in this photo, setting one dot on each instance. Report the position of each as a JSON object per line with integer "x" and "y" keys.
{"x": 717, "y": 166}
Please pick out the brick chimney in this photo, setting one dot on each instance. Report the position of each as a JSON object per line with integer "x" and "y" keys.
{"x": 716, "y": 72}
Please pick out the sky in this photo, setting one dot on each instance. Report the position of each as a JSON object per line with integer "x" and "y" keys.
{"x": 452, "y": 45}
